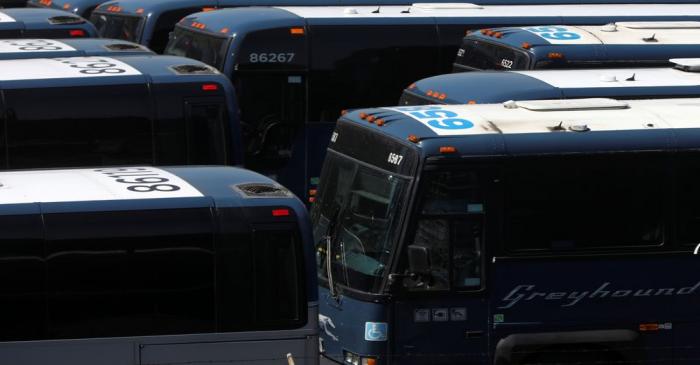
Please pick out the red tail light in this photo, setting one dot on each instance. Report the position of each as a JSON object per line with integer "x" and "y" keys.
{"x": 210, "y": 87}
{"x": 76, "y": 33}
{"x": 280, "y": 212}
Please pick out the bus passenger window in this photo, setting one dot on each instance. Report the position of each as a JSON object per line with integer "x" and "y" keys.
{"x": 688, "y": 200}
{"x": 434, "y": 234}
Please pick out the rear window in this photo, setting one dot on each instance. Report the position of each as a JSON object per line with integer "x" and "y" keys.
{"x": 479, "y": 55}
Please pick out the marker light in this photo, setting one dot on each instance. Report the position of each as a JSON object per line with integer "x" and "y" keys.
{"x": 296, "y": 31}
{"x": 442, "y": 96}
{"x": 208, "y": 8}
{"x": 343, "y": 112}
{"x": 412, "y": 86}
{"x": 363, "y": 116}
{"x": 223, "y": 30}
{"x": 648, "y": 326}
{"x": 448, "y": 149}
{"x": 210, "y": 87}
{"x": 498, "y": 34}
{"x": 66, "y": 6}
{"x": 413, "y": 138}
{"x": 76, "y": 33}
{"x": 379, "y": 122}
{"x": 198, "y": 25}
{"x": 280, "y": 212}
{"x": 139, "y": 11}
{"x": 555, "y": 56}
{"x": 526, "y": 45}
{"x": 484, "y": 31}
{"x": 471, "y": 102}
{"x": 371, "y": 118}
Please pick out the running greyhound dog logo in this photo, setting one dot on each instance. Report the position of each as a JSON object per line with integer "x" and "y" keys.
{"x": 325, "y": 322}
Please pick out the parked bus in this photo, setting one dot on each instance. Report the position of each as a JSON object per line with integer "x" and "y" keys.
{"x": 480, "y": 87}
{"x": 150, "y": 22}
{"x": 90, "y": 111}
{"x": 529, "y": 232}
{"x": 72, "y": 47}
{"x": 43, "y": 23}
{"x": 296, "y": 68}
{"x": 622, "y": 44}
{"x": 143, "y": 265}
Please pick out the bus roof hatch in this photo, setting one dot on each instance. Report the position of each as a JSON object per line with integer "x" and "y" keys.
{"x": 687, "y": 64}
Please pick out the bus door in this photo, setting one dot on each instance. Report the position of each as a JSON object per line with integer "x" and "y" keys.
{"x": 441, "y": 315}
{"x": 208, "y": 138}
{"x": 270, "y": 80}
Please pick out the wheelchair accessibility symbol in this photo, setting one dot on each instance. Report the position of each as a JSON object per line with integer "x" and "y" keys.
{"x": 376, "y": 331}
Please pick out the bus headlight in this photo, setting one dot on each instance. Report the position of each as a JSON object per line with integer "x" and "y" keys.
{"x": 354, "y": 359}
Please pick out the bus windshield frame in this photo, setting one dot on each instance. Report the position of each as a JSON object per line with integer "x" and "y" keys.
{"x": 184, "y": 42}
{"x": 489, "y": 56}
{"x": 360, "y": 215}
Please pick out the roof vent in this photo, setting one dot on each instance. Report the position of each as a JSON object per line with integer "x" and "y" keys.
{"x": 608, "y": 78}
{"x": 687, "y": 64}
{"x": 263, "y": 190}
{"x": 571, "y": 104}
{"x": 445, "y": 6}
{"x": 660, "y": 25}
{"x": 610, "y": 27}
{"x": 66, "y": 19}
{"x": 350, "y": 11}
{"x": 124, "y": 47}
{"x": 194, "y": 70}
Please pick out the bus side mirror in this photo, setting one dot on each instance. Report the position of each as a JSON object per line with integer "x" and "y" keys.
{"x": 419, "y": 259}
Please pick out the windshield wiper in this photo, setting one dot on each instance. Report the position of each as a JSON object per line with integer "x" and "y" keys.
{"x": 333, "y": 223}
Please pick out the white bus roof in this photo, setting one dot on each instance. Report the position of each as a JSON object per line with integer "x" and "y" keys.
{"x": 636, "y": 33}
{"x": 61, "y": 68}
{"x": 616, "y": 77}
{"x": 567, "y": 115}
{"x": 98, "y": 184}
{"x": 470, "y": 10}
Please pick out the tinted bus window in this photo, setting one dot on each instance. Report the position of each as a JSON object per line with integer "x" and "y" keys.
{"x": 349, "y": 73}
{"x": 575, "y": 203}
{"x": 130, "y": 273}
{"x": 113, "y": 128}
{"x": 23, "y": 278}
{"x": 118, "y": 27}
{"x": 207, "y": 142}
{"x": 273, "y": 299}
{"x": 688, "y": 171}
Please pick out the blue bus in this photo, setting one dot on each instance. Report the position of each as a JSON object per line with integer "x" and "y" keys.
{"x": 136, "y": 265}
{"x": 71, "y": 47}
{"x": 481, "y": 87}
{"x": 95, "y": 111}
{"x": 296, "y": 68}
{"x": 529, "y": 232}
{"x": 149, "y": 22}
{"x": 43, "y": 23}
{"x": 620, "y": 44}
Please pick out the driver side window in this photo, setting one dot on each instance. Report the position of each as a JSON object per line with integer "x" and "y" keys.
{"x": 445, "y": 250}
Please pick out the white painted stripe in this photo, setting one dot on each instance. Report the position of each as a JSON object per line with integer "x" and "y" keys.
{"x": 32, "y": 45}
{"x": 60, "y": 68}
{"x": 76, "y": 185}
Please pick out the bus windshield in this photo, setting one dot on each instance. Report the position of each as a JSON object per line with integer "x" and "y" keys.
{"x": 479, "y": 55}
{"x": 199, "y": 46}
{"x": 117, "y": 26}
{"x": 356, "y": 219}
